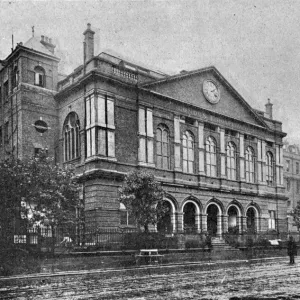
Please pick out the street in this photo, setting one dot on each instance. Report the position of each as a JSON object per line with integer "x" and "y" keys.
{"x": 273, "y": 279}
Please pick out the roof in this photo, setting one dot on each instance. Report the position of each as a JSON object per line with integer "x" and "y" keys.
{"x": 35, "y": 44}
{"x": 117, "y": 59}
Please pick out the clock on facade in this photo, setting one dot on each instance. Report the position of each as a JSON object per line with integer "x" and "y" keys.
{"x": 211, "y": 91}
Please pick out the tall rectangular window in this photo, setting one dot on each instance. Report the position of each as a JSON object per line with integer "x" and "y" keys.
{"x": 297, "y": 168}
{"x": 145, "y": 135}
{"x": 100, "y": 125}
{"x": 162, "y": 147}
{"x": 298, "y": 187}
{"x": 288, "y": 165}
{"x": 272, "y": 219}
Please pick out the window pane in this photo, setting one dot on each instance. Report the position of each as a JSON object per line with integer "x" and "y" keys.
{"x": 165, "y": 163}
{"x": 101, "y": 109}
{"x": 158, "y": 148}
{"x": 165, "y": 136}
{"x": 102, "y": 142}
{"x": 158, "y": 135}
{"x": 110, "y": 112}
{"x": 165, "y": 149}
{"x": 111, "y": 143}
{"x": 184, "y": 153}
{"x": 191, "y": 154}
{"x": 159, "y": 161}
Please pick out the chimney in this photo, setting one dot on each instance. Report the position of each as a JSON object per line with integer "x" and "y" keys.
{"x": 47, "y": 42}
{"x": 269, "y": 109}
{"x": 88, "y": 44}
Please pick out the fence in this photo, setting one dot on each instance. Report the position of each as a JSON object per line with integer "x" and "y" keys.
{"x": 236, "y": 231}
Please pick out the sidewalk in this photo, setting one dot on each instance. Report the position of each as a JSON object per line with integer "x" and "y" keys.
{"x": 139, "y": 270}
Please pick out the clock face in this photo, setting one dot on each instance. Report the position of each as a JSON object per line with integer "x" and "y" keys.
{"x": 211, "y": 91}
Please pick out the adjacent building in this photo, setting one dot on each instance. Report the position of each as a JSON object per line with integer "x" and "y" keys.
{"x": 291, "y": 156}
{"x": 220, "y": 161}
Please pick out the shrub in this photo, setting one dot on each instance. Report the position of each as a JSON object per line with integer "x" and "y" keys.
{"x": 192, "y": 244}
{"x": 142, "y": 240}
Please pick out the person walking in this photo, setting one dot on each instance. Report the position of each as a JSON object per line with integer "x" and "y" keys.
{"x": 292, "y": 250}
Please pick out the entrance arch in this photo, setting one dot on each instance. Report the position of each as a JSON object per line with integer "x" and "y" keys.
{"x": 233, "y": 219}
{"x": 212, "y": 219}
{"x": 164, "y": 225}
{"x": 167, "y": 223}
{"x": 251, "y": 216}
{"x": 189, "y": 217}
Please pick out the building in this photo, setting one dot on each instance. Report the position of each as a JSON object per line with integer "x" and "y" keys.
{"x": 291, "y": 174}
{"x": 220, "y": 161}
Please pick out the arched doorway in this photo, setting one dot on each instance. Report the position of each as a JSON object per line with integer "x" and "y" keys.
{"x": 189, "y": 217}
{"x": 251, "y": 214}
{"x": 233, "y": 226}
{"x": 165, "y": 225}
{"x": 212, "y": 219}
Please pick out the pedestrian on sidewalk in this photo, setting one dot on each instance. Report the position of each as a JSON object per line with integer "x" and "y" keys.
{"x": 292, "y": 250}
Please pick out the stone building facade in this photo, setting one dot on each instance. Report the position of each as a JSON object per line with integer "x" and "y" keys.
{"x": 291, "y": 156}
{"x": 219, "y": 160}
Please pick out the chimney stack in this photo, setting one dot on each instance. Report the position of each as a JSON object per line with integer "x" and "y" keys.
{"x": 88, "y": 44}
{"x": 269, "y": 109}
{"x": 47, "y": 42}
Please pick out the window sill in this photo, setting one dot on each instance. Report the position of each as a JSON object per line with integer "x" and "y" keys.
{"x": 96, "y": 157}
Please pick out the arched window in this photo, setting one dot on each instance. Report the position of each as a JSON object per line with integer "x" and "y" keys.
{"x": 162, "y": 147}
{"x": 211, "y": 157}
{"x": 231, "y": 161}
{"x": 125, "y": 216}
{"x": 39, "y": 76}
{"x": 270, "y": 168}
{"x": 187, "y": 153}
{"x": 71, "y": 137}
{"x": 249, "y": 165}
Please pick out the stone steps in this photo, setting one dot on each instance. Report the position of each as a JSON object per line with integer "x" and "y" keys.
{"x": 220, "y": 244}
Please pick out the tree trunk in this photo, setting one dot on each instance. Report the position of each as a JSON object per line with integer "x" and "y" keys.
{"x": 146, "y": 228}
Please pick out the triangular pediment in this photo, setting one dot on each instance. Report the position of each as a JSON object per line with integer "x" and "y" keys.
{"x": 198, "y": 89}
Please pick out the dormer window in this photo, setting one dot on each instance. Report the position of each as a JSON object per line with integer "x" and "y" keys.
{"x": 39, "y": 76}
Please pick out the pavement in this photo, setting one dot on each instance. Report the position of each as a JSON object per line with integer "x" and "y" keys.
{"x": 267, "y": 278}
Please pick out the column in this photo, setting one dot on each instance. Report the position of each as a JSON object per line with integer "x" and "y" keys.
{"x": 263, "y": 158}
{"x": 173, "y": 221}
{"x": 204, "y": 223}
{"x": 150, "y": 136}
{"x": 242, "y": 158}
{"x": 82, "y": 146}
{"x": 197, "y": 222}
{"x": 279, "y": 165}
{"x": 259, "y": 161}
{"x": 244, "y": 223}
{"x": 201, "y": 148}
{"x": 180, "y": 222}
{"x": 222, "y": 152}
{"x": 177, "y": 143}
{"x": 219, "y": 225}
{"x": 225, "y": 222}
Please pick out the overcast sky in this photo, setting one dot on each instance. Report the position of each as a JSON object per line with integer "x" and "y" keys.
{"x": 254, "y": 44}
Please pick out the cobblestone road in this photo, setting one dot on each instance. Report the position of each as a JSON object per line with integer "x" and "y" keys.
{"x": 261, "y": 280}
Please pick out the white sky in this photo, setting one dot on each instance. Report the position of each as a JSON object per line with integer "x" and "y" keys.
{"x": 254, "y": 44}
